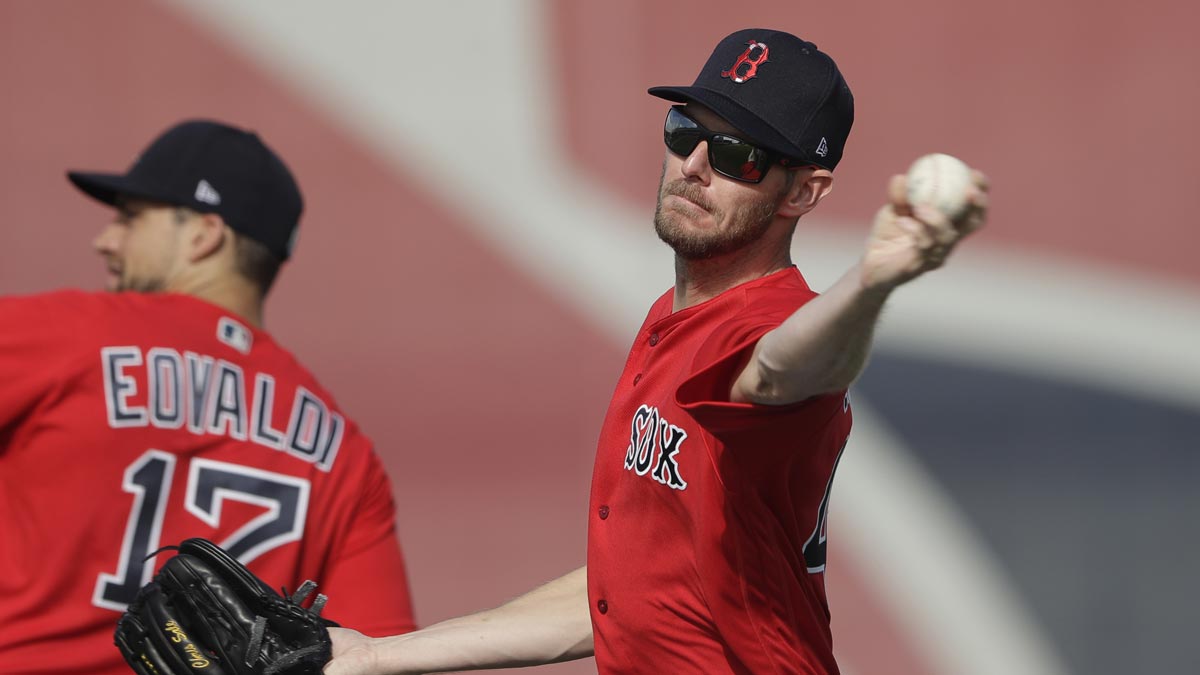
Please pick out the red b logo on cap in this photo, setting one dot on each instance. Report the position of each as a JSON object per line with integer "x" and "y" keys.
{"x": 750, "y": 72}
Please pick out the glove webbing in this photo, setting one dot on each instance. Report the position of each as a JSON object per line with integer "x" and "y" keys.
{"x": 259, "y": 629}
{"x": 303, "y": 592}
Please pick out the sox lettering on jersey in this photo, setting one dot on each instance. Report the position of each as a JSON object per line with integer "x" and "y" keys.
{"x": 209, "y": 394}
{"x": 653, "y": 444}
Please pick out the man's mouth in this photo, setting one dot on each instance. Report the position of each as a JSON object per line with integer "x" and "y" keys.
{"x": 689, "y": 197}
{"x": 688, "y": 205}
{"x": 114, "y": 276}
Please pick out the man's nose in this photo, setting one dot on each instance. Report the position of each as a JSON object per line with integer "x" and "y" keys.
{"x": 696, "y": 164}
{"x": 109, "y": 239}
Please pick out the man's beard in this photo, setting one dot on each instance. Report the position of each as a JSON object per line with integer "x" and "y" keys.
{"x": 142, "y": 286}
{"x": 747, "y": 223}
{"x": 136, "y": 285}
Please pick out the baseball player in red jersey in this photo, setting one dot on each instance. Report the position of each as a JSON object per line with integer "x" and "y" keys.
{"x": 134, "y": 419}
{"x": 707, "y": 522}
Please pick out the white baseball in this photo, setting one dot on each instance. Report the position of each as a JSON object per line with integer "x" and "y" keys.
{"x": 941, "y": 181}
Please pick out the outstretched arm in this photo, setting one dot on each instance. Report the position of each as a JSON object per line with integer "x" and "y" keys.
{"x": 823, "y": 346}
{"x": 546, "y": 625}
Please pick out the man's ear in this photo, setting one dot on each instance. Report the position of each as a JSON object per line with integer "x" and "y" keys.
{"x": 207, "y": 233}
{"x": 808, "y": 188}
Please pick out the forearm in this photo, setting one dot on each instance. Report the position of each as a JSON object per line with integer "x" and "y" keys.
{"x": 820, "y": 348}
{"x": 823, "y": 346}
{"x": 547, "y": 625}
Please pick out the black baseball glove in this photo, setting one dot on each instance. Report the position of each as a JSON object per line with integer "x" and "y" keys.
{"x": 206, "y": 613}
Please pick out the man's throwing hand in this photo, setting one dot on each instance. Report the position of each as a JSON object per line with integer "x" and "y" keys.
{"x": 908, "y": 240}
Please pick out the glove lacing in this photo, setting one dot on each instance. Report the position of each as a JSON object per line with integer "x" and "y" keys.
{"x": 259, "y": 629}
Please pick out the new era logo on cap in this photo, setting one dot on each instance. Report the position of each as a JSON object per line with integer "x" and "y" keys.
{"x": 822, "y": 147}
{"x": 207, "y": 194}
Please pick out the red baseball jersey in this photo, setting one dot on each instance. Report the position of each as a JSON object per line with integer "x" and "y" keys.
{"x": 132, "y": 421}
{"x": 706, "y": 537}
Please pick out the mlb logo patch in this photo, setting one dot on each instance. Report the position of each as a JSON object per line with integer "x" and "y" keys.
{"x": 234, "y": 334}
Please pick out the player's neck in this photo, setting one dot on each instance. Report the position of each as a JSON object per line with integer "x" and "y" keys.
{"x": 249, "y": 309}
{"x": 228, "y": 291}
{"x": 698, "y": 281}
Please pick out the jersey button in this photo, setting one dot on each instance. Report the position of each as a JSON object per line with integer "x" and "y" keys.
{"x": 637, "y": 378}
{"x": 602, "y": 606}
{"x": 653, "y": 339}
{"x": 603, "y": 512}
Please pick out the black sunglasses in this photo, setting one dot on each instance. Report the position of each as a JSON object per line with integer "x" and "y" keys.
{"x": 728, "y": 155}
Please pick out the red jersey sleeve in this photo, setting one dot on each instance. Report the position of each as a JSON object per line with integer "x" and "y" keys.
{"x": 366, "y": 580}
{"x": 705, "y": 393}
{"x": 38, "y": 345}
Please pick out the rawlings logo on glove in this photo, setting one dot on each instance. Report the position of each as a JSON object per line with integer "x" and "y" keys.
{"x": 205, "y": 612}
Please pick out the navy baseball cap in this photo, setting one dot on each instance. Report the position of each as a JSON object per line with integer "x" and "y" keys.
{"x": 780, "y": 91}
{"x": 211, "y": 167}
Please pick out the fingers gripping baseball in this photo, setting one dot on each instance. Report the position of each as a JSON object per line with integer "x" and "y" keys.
{"x": 918, "y": 228}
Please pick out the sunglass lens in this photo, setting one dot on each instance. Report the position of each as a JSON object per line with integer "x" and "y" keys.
{"x": 737, "y": 159}
{"x": 681, "y": 134}
{"x": 681, "y": 142}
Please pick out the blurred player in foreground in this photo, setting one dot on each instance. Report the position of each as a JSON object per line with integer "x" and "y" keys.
{"x": 134, "y": 419}
{"x": 706, "y": 530}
